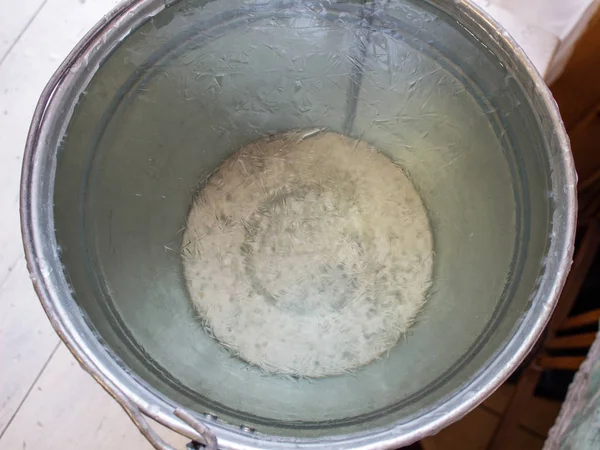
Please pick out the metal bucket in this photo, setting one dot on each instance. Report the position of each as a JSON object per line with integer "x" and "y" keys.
{"x": 160, "y": 92}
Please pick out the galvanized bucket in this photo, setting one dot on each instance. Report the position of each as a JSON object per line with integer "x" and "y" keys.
{"x": 160, "y": 92}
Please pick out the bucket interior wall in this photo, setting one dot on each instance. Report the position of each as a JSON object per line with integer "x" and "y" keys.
{"x": 199, "y": 81}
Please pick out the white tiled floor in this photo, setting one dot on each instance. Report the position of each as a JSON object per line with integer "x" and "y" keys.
{"x": 46, "y": 400}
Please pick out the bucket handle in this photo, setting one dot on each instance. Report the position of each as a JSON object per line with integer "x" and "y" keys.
{"x": 139, "y": 419}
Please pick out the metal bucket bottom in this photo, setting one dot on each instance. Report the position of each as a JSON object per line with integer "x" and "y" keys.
{"x": 155, "y": 98}
{"x": 308, "y": 254}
